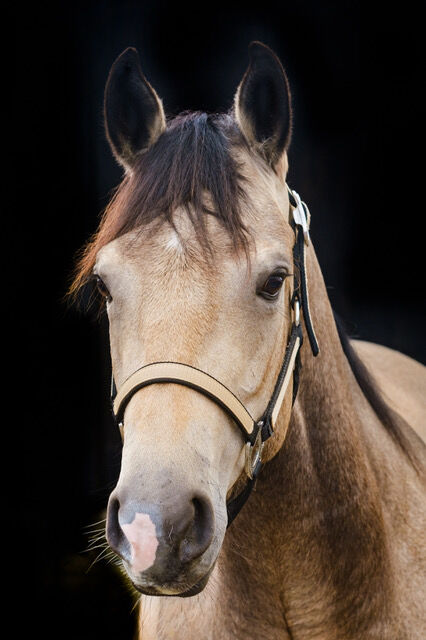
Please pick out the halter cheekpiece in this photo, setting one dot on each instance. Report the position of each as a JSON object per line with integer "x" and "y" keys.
{"x": 254, "y": 431}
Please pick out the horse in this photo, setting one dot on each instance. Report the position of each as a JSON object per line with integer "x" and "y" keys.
{"x": 272, "y": 482}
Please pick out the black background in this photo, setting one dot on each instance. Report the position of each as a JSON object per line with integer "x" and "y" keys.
{"x": 357, "y": 75}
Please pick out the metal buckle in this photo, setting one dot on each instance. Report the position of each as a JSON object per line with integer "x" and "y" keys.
{"x": 254, "y": 453}
{"x": 296, "y": 310}
{"x": 301, "y": 216}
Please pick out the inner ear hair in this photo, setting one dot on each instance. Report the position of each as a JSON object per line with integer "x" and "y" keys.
{"x": 134, "y": 114}
{"x": 262, "y": 104}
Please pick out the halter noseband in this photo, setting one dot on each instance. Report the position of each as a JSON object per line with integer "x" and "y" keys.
{"x": 255, "y": 432}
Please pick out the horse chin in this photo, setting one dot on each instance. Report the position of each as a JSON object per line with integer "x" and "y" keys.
{"x": 174, "y": 590}
{"x": 197, "y": 588}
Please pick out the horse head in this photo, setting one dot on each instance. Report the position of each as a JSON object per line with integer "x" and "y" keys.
{"x": 194, "y": 259}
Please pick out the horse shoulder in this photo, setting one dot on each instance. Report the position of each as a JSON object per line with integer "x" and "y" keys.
{"x": 401, "y": 379}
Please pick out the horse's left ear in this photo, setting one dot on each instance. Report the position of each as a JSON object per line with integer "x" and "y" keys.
{"x": 262, "y": 104}
{"x": 134, "y": 115}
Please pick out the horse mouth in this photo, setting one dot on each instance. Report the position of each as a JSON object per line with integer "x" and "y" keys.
{"x": 173, "y": 591}
{"x": 196, "y": 588}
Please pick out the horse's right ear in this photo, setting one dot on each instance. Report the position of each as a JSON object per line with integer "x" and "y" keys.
{"x": 134, "y": 115}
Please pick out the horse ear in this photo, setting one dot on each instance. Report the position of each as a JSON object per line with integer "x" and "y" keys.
{"x": 262, "y": 104}
{"x": 134, "y": 115}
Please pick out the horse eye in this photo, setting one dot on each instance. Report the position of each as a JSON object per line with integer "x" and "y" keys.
{"x": 272, "y": 286}
{"x": 103, "y": 289}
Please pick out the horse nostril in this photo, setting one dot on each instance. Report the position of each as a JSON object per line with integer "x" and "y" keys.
{"x": 114, "y": 533}
{"x": 199, "y": 534}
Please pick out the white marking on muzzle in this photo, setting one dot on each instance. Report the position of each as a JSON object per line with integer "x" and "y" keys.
{"x": 143, "y": 541}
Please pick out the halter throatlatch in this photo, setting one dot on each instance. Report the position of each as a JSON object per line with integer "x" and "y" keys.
{"x": 255, "y": 432}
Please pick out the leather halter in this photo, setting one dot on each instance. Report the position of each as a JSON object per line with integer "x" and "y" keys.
{"x": 254, "y": 431}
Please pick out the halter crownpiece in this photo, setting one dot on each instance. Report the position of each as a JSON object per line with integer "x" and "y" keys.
{"x": 301, "y": 215}
{"x": 255, "y": 432}
{"x": 301, "y": 221}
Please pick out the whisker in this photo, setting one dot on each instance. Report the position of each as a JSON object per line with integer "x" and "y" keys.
{"x": 98, "y": 537}
{"x": 94, "y": 524}
{"x": 94, "y": 528}
{"x": 98, "y": 546}
{"x": 97, "y": 559}
{"x": 94, "y": 532}
{"x": 134, "y": 606}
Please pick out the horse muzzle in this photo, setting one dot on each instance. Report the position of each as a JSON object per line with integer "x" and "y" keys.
{"x": 166, "y": 546}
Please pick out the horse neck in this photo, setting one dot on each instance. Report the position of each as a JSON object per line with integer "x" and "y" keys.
{"x": 316, "y": 517}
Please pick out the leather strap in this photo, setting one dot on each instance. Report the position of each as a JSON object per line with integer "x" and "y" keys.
{"x": 234, "y": 506}
{"x": 272, "y": 411}
{"x": 301, "y": 218}
{"x": 184, "y": 374}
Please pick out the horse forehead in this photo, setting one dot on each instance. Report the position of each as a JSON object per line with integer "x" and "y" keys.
{"x": 176, "y": 250}
{"x": 138, "y": 249}
{"x": 149, "y": 268}
{"x": 167, "y": 255}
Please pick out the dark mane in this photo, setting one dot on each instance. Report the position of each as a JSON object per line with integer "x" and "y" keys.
{"x": 191, "y": 158}
{"x": 391, "y": 420}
